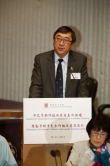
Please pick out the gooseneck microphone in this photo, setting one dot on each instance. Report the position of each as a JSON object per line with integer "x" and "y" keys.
{"x": 71, "y": 72}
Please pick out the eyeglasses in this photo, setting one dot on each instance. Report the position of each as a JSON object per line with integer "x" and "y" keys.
{"x": 102, "y": 135}
{"x": 65, "y": 41}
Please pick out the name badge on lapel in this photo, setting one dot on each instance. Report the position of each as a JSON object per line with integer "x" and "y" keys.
{"x": 89, "y": 153}
{"x": 75, "y": 75}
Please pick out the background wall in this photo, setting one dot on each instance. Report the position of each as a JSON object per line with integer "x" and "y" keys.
{"x": 27, "y": 27}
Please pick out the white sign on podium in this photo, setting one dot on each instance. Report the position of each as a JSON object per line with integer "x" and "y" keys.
{"x": 55, "y": 120}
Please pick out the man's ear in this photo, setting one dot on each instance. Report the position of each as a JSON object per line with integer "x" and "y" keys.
{"x": 72, "y": 45}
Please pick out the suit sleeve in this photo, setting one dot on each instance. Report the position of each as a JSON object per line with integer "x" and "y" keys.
{"x": 35, "y": 90}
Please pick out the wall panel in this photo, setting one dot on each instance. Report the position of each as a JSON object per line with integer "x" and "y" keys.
{"x": 27, "y": 27}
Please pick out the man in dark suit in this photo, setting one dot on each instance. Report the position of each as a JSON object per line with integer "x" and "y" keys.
{"x": 73, "y": 66}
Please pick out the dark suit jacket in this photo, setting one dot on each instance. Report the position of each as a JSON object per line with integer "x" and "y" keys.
{"x": 43, "y": 76}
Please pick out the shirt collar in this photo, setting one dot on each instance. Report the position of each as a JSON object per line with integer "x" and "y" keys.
{"x": 57, "y": 57}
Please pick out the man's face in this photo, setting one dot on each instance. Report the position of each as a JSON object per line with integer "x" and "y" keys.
{"x": 62, "y": 44}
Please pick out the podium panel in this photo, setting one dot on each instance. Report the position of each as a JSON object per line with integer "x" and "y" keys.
{"x": 56, "y": 121}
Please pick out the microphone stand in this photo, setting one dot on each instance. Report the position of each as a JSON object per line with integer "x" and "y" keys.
{"x": 59, "y": 155}
{"x": 53, "y": 153}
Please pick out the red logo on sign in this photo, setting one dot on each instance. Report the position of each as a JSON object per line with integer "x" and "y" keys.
{"x": 46, "y": 105}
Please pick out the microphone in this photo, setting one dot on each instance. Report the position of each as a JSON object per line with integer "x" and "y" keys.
{"x": 53, "y": 153}
{"x": 71, "y": 70}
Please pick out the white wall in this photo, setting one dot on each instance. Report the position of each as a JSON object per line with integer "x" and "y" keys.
{"x": 27, "y": 27}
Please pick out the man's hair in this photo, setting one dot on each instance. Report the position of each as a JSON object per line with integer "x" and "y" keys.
{"x": 99, "y": 122}
{"x": 65, "y": 30}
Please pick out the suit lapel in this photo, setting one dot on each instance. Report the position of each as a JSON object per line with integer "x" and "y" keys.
{"x": 71, "y": 63}
{"x": 51, "y": 69}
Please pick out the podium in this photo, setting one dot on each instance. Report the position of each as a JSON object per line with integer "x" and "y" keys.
{"x": 51, "y": 126}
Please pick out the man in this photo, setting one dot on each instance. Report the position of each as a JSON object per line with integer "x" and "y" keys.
{"x": 73, "y": 66}
{"x": 6, "y": 156}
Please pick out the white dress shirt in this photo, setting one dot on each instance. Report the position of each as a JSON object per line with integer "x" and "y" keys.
{"x": 6, "y": 156}
{"x": 64, "y": 69}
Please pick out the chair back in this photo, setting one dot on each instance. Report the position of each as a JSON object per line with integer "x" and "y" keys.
{"x": 102, "y": 107}
{"x": 92, "y": 85}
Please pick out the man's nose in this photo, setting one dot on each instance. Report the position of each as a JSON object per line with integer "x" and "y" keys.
{"x": 61, "y": 42}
